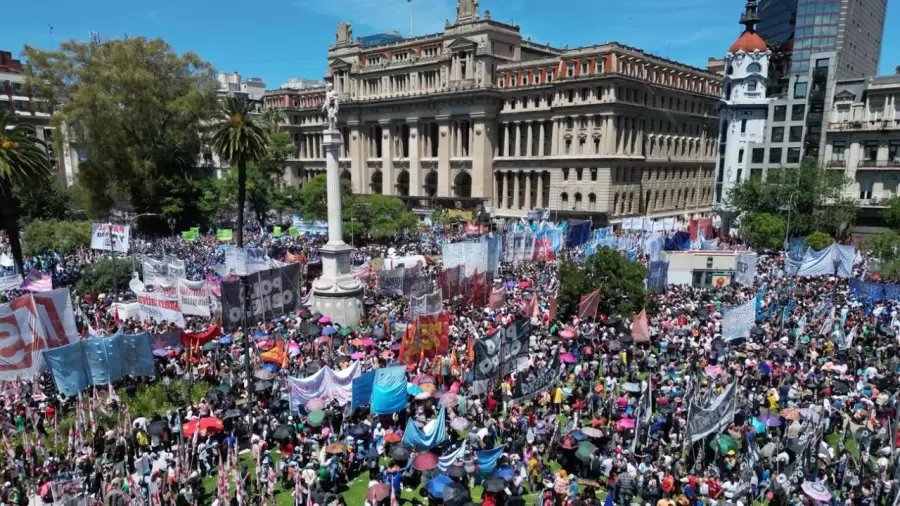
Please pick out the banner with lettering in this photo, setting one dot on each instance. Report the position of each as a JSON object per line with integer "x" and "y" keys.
{"x": 745, "y": 268}
{"x": 502, "y": 353}
{"x": 155, "y": 271}
{"x": 160, "y": 308}
{"x": 175, "y": 268}
{"x": 428, "y": 337}
{"x": 273, "y": 293}
{"x": 10, "y": 282}
{"x": 536, "y": 381}
{"x": 224, "y": 234}
{"x": 108, "y": 237}
{"x": 193, "y": 297}
{"x": 31, "y": 324}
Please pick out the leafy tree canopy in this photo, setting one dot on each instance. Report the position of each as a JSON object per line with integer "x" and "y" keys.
{"x": 763, "y": 230}
{"x": 621, "y": 284}
{"x": 105, "y": 276}
{"x": 884, "y": 245}
{"x": 812, "y": 196}
{"x": 818, "y": 241}
{"x": 52, "y": 235}
{"x": 891, "y": 212}
{"x": 137, "y": 107}
{"x": 313, "y": 195}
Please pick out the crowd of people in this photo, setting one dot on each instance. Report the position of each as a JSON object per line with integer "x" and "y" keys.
{"x": 814, "y": 401}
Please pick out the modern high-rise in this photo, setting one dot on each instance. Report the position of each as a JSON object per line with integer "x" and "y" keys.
{"x": 479, "y": 117}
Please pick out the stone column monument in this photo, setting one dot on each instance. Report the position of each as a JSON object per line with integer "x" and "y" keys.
{"x": 337, "y": 293}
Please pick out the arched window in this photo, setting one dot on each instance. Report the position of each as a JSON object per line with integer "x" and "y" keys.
{"x": 578, "y": 202}
{"x": 376, "y": 182}
{"x": 431, "y": 182}
{"x": 754, "y": 68}
{"x": 564, "y": 199}
{"x": 592, "y": 202}
{"x": 615, "y": 205}
{"x": 403, "y": 183}
{"x": 462, "y": 185}
{"x": 751, "y": 85}
{"x": 345, "y": 175}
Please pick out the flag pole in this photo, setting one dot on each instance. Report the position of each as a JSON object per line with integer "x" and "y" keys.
{"x": 409, "y": 3}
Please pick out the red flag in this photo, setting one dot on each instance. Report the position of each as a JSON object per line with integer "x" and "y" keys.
{"x": 692, "y": 228}
{"x": 587, "y": 306}
{"x": 498, "y": 298}
{"x": 640, "y": 328}
{"x": 531, "y": 307}
{"x": 553, "y": 308}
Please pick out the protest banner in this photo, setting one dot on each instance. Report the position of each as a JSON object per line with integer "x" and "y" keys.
{"x": 109, "y": 237}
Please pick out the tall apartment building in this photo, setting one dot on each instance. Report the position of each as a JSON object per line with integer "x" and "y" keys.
{"x": 27, "y": 109}
{"x": 478, "y": 117}
{"x": 863, "y": 141}
{"x": 814, "y": 44}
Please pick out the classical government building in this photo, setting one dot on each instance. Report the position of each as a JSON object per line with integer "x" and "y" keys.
{"x": 479, "y": 118}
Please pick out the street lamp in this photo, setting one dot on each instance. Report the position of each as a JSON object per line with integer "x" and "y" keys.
{"x": 171, "y": 222}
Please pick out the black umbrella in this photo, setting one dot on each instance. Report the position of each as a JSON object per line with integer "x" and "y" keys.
{"x": 262, "y": 386}
{"x": 456, "y": 493}
{"x": 232, "y": 413}
{"x": 494, "y": 484}
{"x": 840, "y": 387}
{"x": 456, "y": 472}
{"x": 400, "y": 451}
{"x": 283, "y": 433}
{"x": 214, "y": 395}
{"x": 358, "y": 431}
{"x": 157, "y": 427}
{"x": 626, "y": 339}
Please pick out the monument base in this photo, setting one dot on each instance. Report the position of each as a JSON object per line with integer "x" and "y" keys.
{"x": 337, "y": 294}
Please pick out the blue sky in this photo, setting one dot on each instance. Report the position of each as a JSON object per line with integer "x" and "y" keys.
{"x": 277, "y": 39}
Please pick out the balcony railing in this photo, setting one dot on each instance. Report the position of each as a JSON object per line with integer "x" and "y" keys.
{"x": 866, "y": 125}
{"x": 880, "y": 163}
{"x": 836, "y": 163}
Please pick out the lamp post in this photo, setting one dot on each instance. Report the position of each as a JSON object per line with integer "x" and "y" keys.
{"x": 787, "y": 228}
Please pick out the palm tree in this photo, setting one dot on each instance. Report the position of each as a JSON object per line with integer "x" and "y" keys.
{"x": 239, "y": 140}
{"x": 23, "y": 158}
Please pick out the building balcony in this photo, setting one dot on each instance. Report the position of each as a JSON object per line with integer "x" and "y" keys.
{"x": 879, "y": 164}
{"x": 836, "y": 163}
{"x": 887, "y": 124}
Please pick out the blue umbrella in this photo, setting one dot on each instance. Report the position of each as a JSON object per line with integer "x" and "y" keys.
{"x": 578, "y": 435}
{"x": 259, "y": 335}
{"x": 511, "y": 284}
{"x": 437, "y": 484}
{"x": 225, "y": 340}
{"x": 507, "y": 473}
{"x": 412, "y": 389}
{"x": 327, "y": 331}
{"x": 269, "y": 367}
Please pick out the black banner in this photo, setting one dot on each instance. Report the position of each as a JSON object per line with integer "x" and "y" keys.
{"x": 501, "y": 353}
{"x": 714, "y": 417}
{"x": 536, "y": 381}
{"x": 273, "y": 293}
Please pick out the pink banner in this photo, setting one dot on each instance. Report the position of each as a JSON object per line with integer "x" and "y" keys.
{"x": 38, "y": 282}
{"x": 498, "y": 298}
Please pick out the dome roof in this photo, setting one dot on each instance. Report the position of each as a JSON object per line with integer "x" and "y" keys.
{"x": 749, "y": 42}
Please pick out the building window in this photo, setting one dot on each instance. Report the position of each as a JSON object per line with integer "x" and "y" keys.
{"x": 578, "y": 173}
{"x": 565, "y": 172}
{"x": 751, "y": 86}
{"x": 741, "y": 156}
{"x": 865, "y": 190}
{"x": 775, "y": 155}
{"x": 577, "y": 202}
{"x": 564, "y": 199}
{"x": 754, "y": 68}
{"x": 793, "y": 155}
{"x": 743, "y": 126}
{"x": 778, "y": 134}
{"x": 894, "y": 151}
{"x": 870, "y": 151}
{"x": 842, "y": 113}
{"x": 593, "y": 173}
{"x": 758, "y": 155}
{"x": 837, "y": 151}
{"x": 796, "y": 134}
{"x": 780, "y": 113}
{"x": 797, "y": 112}
{"x": 800, "y": 90}
{"x": 568, "y": 146}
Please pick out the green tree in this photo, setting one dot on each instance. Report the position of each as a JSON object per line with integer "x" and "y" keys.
{"x": 381, "y": 216}
{"x": 42, "y": 198}
{"x": 763, "y": 230}
{"x": 818, "y": 241}
{"x": 106, "y": 275}
{"x": 314, "y": 194}
{"x": 23, "y": 159}
{"x": 239, "y": 140}
{"x": 136, "y": 105}
{"x": 620, "y": 281}
{"x": 40, "y": 236}
{"x": 264, "y": 177}
{"x": 810, "y": 195}
{"x": 884, "y": 245}
{"x": 891, "y": 212}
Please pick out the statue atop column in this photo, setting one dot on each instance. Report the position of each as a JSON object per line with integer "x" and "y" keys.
{"x": 466, "y": 10}
{"x": 331, "y": 106}
{"x": 344, "y": 33}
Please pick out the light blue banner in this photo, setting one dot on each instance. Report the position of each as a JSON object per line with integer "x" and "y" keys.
{"x": 100, "y": 361}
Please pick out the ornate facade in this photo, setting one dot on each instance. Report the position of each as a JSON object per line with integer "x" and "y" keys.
{"x": 477, "y": 116}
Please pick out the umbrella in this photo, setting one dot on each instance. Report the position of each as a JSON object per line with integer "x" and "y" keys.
{"x": 324, "y": 320}
{"x": 769, "y": 420}
{"x": 400, "y": 452}
{"x": 316, "y": 417}
{"x": 358, "y": 355}
{"x": 160, "y": 352}
{"x": 631, "y": 387}
{"x": 421, "y": 396}
{"x": 459, "y": 423}
{"x": 335, "y": 448}
{"x": 507, "y": 473}
{"x": 378, "y": 492}
{"x": 816, "y": 490}
{"x": 450, "y": 400}
{"x": 591, "y": 432}
{"x": 212, "y": 345}
{"x": 625, "y": 423}
{"x": 345, "y": 331}
{"x": 456, "y": 472}
{"x": 232, "y": 413}
{"x": 584, "y": 451}
{"x": 225, "y": 340}
{"x": 577, "y": 435}
{"x": 225, "y": 389}
{"x": 315, "y": 404}
{"x": 328, "y": 331}
{"x": 723, "y": 443}
{"x": 437, "y": 485}
{"x": 283, "y": 433}
{"x": 494, "y": 484}
{"x": 567, "y": 334}
{"x": 423, "y": 379}
{"x": 412, "y": 389}
{"x": 214, "y": 395}
{"x": 567, "y": 358}
{"x": 156, "y": 428}
{"x": 262, "y": 386}
{"x": 568, "y": 443}
{"x": 259, "y": 335}
{"x": 455, "y": 494}
{"x": 511, "y": 284}
{"x": 203, "y": 424}
{"x": 393, "y": 437}
{"x": 425, "y": 462}
{"x": 323, "y": 339}
{"x": 790, "y": 413}
{"x": 265, "y": 375}
{"x": 358, "y": 431}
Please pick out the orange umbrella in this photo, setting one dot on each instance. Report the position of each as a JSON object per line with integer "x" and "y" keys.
{"x": 204, "y": 425}
{"x": 392, "y": 438}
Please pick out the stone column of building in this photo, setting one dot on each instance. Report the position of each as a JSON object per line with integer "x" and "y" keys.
{"x": 415, "y": 141}
{"x": 519, "y": 135}
{"x": 357, "y": 161}
{"x": 506, "y": 150}
{"x": 443, "y": 168}
{"x": 541, "y": 134}
{"x": 388, "y": 178}
{"x": 528, "y": 203}
{"x": 530, "y": 139}
{"x": 517, "y": 203}
{"x": 540, "y": 189}
{"x": 501, "y": 190}
{"x": 508, "y": 189}
{"x": 481, "y": 150}
{"x": 554, "y": 137}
